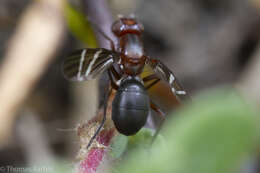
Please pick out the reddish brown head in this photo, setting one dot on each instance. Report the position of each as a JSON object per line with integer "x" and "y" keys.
{"x": 127, "y": 25}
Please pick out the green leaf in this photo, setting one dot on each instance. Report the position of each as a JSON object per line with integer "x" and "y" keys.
{"x": 142, "y": 139}
{"x": 79, "y": 26}
{"x": 122, "y": 144}
{"x": 213, "y": 135}
{"x": 118, "y": 146}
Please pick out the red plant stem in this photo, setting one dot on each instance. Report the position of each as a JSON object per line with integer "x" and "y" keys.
{"x": 91, "y": 159}
{"x": 96, "y": 155}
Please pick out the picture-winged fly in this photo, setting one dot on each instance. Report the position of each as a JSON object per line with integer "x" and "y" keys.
{"x": 124, "y": 64}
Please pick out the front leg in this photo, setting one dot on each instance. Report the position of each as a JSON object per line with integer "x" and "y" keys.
{"x": 165, "y": 74}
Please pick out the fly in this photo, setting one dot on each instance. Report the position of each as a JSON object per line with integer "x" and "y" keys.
{"x": 124, "y": 64}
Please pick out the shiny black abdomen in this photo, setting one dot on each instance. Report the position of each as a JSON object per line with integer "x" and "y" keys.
{"x": 130, "y": 107}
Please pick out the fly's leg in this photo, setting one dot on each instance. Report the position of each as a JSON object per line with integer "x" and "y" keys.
{"x": 103, "y": 120}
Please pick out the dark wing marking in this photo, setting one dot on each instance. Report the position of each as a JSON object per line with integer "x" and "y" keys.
{"x": 159, "y": 90}
{"x": 86, "y": 64}
{"x": 165, "y": 74}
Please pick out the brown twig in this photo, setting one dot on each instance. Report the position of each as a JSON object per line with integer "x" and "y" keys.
{"x": 103, "y": 19}
{"x": 31, "y": 48}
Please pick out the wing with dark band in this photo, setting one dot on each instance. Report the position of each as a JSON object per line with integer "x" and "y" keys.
{"x": 86, "y": 64}
{"x": 163, "y": 74}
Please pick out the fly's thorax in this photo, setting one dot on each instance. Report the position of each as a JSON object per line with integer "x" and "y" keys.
{"x": 131, "y": 46}
{"x": 132, "y": 67}
{"x": 132, "y": 53}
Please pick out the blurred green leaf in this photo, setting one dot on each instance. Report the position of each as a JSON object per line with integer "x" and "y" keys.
{"x": 142, "y": 139}
{"x": 213, "y": 135}
{"x": 79, "y": 26}
{"x": 118, "y": 146}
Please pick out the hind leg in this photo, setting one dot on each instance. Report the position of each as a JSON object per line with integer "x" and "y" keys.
{"x": 103, "y": 120}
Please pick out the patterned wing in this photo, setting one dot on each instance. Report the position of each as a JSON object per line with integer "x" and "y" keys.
{"x": 86, "y": 64}
{"x": 162, "y": 74}
{"x": 159, "y": 91}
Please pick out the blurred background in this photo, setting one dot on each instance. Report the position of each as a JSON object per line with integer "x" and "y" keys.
{"x": 207, "y": 43}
